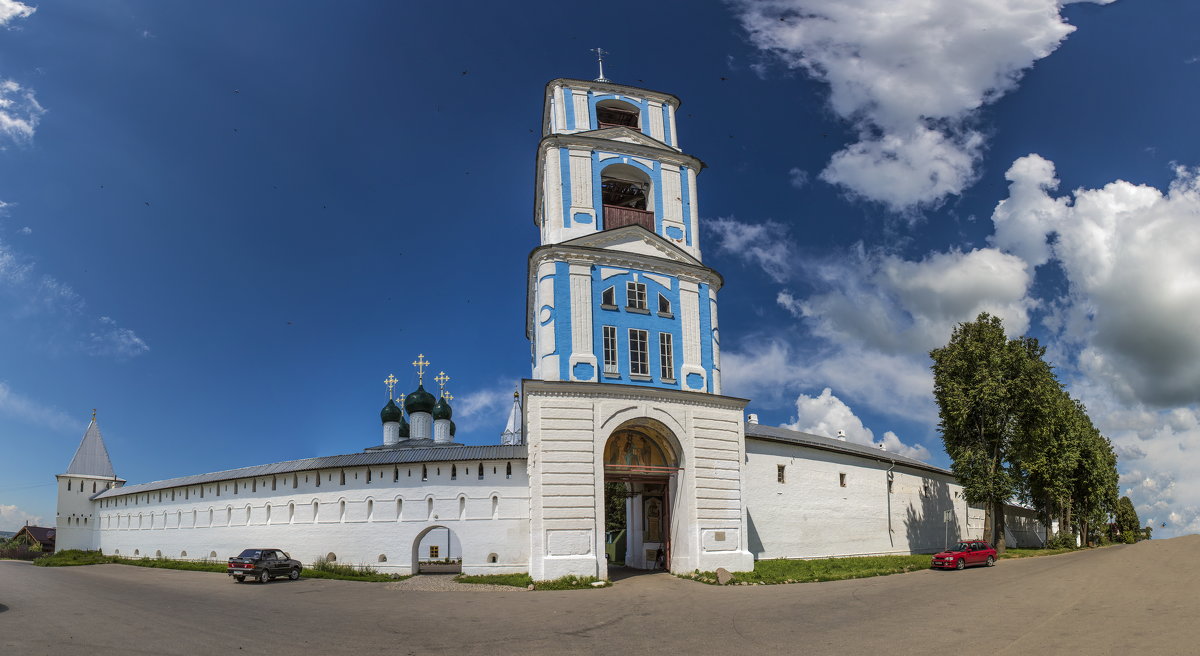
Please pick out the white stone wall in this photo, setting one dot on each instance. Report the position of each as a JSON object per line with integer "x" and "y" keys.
{"x": 358, "y": 521}
{"x": 76, "y": 517}
{"x": 567, "y": 426}
{"x": 811, "y": 514}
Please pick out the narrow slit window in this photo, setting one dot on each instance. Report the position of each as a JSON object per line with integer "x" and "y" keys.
{"x": 779, "y": 473}
{"x": 424, "y": 473}
{"x": 842, "y": 479}
{"x": 639, "y": 360}
{"x": 508, "y": 470}
{"x": 666, "y": 356}
{"x": 481, "y": 471}
{"x": 454, "y": 472}
{"x": 610, "y": 349}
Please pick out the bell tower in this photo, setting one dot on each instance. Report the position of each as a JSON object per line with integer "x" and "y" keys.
{"x": 617, "y": 290}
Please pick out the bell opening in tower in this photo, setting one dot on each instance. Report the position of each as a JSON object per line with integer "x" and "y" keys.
{"x": 625, "y": 192}
{"x": 616, "y": 114}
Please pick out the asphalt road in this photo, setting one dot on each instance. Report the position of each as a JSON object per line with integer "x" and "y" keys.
{"x": 1142, "y": 598}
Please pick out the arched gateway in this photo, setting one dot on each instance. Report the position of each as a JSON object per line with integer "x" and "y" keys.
{"x": 641, "y": 474}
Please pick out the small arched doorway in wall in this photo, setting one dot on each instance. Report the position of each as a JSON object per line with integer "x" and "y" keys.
{"x": 437, "y": 550}
{"x": 640, "y": 474}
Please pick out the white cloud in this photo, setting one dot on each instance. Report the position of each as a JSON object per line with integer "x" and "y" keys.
{"x": 766, "y": 245}
{"x": 826, "y": 414}
{"x": 911, "y": 77}
{"x": 1131, "y": 255}
{"x": 798, "y": 177}
{"x": 27, "y": 410}
{"x": 11, "y": 10}
{"x": 13, "y": 518}
{"x": 69, "y": 324}
{"x": 19, "y": 112}
{"x": 484, "y": 410}
{"x": 26, "y": 230}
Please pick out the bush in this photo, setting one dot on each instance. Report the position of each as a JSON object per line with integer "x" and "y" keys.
{"x": 19, "y": 550}
{"x": 73, "y": 557}
{"x": 1063, "y": 540}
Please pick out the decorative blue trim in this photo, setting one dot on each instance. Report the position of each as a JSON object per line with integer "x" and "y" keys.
{"x": 667, "y": 126}
{"x": 562, "y": 315}
{"x": 583, "y": 217}
{"x": 686, "y": 195}
{"x": 583, "y": 371}
{"x": 569, "y": 106}
{"x": 706, "y": 347}
{"x": 564, "y": 172}
{"x": 597, "y": 191}
{"x": 656, "y": 176}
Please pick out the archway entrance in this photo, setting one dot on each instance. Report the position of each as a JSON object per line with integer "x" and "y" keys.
{"x": 436, "y": 550}
{"x": 640, "y": 467}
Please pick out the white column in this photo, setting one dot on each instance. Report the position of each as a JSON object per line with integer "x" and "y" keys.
{"x": 582, "y": 346}
{"x": 581, "y": 191}
{"x": 716, "y": 341}
{"x": 552, "y": 206}
{"x": 689, "y": 310}
{"x": 545, "y": 364}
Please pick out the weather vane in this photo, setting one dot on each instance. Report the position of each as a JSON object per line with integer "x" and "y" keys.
{"x": 442, "y": 379}
{"x": 600, "y": 52}
{"x": 420, "y": 363}
{"x": 390, "y": 381}
{"x": 93, "y": 414}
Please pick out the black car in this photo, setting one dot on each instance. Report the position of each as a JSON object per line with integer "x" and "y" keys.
{"x": 263, "y": 565}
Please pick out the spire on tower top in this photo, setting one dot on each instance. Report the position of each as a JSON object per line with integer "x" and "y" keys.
{"x": 91, "y": 458}
{"x": 512, "y": 429}
{"x": 600, "y": 52}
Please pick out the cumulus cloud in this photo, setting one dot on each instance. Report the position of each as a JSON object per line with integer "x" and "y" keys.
{"x": 19, "y": 112}
{"x": 13, "y": 518}
{"x": 798, "y": 177}
{"x": 766, "y": 245}
{"x": 484, "y": 411}
{"x": 1131, "y": 256}
{"x": 68, "y": 324}
{"x": 910, "y": 77}
{"x": 26, "y": 230}
{"x": 11, "y": 10}
{"x": 25, "y": 409}
{"x": 826, "y": 414}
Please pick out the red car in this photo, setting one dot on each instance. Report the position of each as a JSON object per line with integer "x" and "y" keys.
{"x": 967, "y": 552}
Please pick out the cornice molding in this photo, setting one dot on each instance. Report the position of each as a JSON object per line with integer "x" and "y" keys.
{"x": 622, "y": 392}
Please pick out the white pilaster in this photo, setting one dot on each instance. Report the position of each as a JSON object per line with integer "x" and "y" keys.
{"x": 582, "y": 346}
{"x": 689, "y": 312}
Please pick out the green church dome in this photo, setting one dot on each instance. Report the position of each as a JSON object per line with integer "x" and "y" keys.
{"x": 403, "y": 427}
{"x": 442, "y": 410}
{"x": 391, "y": 412}
{"x": 452, "y": 428}
{"x": 419, "y": 401}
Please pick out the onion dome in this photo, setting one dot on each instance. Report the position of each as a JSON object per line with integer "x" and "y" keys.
{"x": 391, "y": 412}
{"x": 442, "y": 409}
{"x": 419, "y": 401}
{"x": 403, "y": 427}
{"x": 452, "y": 428}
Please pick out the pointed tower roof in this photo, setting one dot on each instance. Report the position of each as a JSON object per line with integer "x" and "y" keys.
{"x": 91, "y": 458}
{"x": 512, "y": 430}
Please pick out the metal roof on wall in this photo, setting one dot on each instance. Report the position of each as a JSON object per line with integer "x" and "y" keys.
{"x": 383, "y": 457}
{"x": 776, "y": 434}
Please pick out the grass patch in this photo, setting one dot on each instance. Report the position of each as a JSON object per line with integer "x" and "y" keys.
{"x": 515, "y": 580}
{"x": 524, "y": 581}
{"x": 320, "y": 570}
{"x": 72, "y": 557}
{"x": 770, "y": 572}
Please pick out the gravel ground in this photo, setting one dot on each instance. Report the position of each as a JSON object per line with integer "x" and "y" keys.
{"x": 445, "y": 583}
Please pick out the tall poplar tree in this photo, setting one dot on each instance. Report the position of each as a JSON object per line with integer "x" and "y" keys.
{"x": 979, "y": 382}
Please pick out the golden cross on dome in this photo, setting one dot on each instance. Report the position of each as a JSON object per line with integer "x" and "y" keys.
{"x": 420, "y": 363}
{"x": 390, "y": 381}
{"x": 447, "y": 395}
{"x": 442, "y": 379}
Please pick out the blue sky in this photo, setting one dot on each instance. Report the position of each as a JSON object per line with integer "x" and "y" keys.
{"x": 224, "y": 225}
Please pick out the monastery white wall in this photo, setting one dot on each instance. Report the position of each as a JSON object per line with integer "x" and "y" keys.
{"x": 567, "y": 426}
{"x": 378, "y": 523}
{"x": 812, "y": 515}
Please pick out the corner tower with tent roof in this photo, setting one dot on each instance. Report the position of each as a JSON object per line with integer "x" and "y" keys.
{"x": 90, "y": 473}
{"x": 622, "y": 321}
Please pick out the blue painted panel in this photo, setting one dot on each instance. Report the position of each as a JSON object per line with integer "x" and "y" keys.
{"x": 583, "y": 371}
{"x": 562, "y": 313}
{"x": 674, "y": 232}
{"x": 706, "y": 347}
{"x": 686, "y": 195}
{"x": 694, "y": 380}
{"x": 583, "y": 217}
{"x": 623, "y": 320}
{"x": 569, "y": 106}
{"x": 666, "y": 126}
{"x": 564, "y": 171}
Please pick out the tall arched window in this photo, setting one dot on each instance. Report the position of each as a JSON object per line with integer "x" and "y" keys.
{"x": 616, "y": 113}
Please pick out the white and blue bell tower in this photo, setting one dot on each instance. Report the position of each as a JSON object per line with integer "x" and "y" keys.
{"x": 617, "y": 290}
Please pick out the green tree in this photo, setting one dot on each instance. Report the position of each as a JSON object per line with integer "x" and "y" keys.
{"x": 1127, "y": 521}
{"x": 979, "y": 382}
{"x": 1094, "y": 483}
